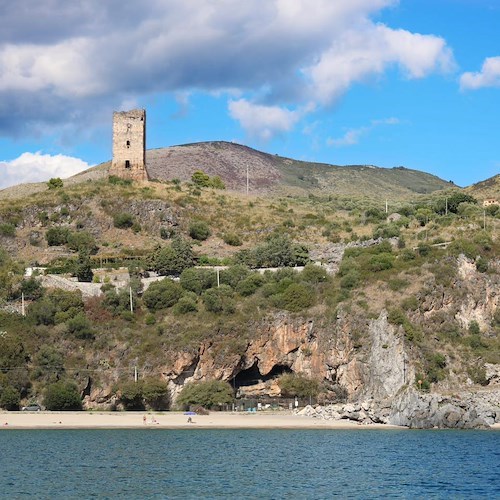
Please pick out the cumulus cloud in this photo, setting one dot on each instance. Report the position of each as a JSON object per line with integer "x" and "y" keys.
{"x": 261, "y": 121}
{"x": 489, "y": 76}
{"x": 63, "y": 61}
{"x": 38, "y": 167}
{"x": 353, "y": 135}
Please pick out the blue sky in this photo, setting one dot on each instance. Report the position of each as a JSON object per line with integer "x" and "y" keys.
{"x": 382, "y": 82}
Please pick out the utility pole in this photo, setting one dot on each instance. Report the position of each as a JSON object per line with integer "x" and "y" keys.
{"x": 135, "y": 374}
{"x": 248, "y": 183}
{"x": 23, "y": 312}
{"x": 218, "y": 277}
{"x": 446, "y": 204}
{"x": 131, "y": 302}
{"x": 386, "y": 207}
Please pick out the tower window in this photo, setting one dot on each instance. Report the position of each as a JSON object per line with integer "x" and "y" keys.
{"x": 128, "y": 144}
{"x": 127, "y": 163}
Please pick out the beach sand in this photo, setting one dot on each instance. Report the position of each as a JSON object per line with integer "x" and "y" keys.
{"x": 172, "y": 420}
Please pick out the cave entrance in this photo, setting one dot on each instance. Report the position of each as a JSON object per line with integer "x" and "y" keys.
{"x": 252, "y": 376}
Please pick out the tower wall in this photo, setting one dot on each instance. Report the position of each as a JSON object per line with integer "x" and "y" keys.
{"x": 129, "y": 145}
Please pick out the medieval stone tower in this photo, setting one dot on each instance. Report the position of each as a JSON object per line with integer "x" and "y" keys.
{"x": 129, "y": 145}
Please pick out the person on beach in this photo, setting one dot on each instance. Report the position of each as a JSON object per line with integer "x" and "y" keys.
{"x": 190, "y": 420}
{"x": 144, "y": 419}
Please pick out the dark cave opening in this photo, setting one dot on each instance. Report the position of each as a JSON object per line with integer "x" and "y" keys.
{"x": 252, "y": 375}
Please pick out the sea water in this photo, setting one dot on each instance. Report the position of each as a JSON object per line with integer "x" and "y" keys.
{"x": 263, "y": 464}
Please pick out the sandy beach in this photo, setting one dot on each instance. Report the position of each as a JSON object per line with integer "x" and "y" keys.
{"x": 172, "y": 420}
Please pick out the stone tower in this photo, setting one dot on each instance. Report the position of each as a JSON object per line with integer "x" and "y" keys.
{"x": 129, "y": 145}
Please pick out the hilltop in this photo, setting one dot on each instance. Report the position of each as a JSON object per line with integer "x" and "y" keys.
{"x": 268, "y": 174}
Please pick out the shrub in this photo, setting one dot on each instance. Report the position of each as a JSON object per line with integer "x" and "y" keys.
{"x": 130, "y": 395}
{"x": 155, "y": 394}
{"x": 200, "y": 178}
{"x": 7, "y": 229}
{"x": 250, "y": 284}
{"x": 219, "y": 300}
{"x": 57, "y": 236}
{"x": 297, "y": 296}
{"x": 474, "y": 328}
{"x": 185, "y": 305}
{"x": 82, "y": 241}
{"x": 299, "y": 385}
{"x": 80, "y": 327}
{"x": 234, "y": 275}
{"x": 199, "y": 230}
{"x": 197, "y": 280}
{"x": 55, "y": 183}
{"x": 9, "y": 398}
{"x": 314, "y": 274}
{"x": 83, "y": 270}
{"x": 207, "y": 394}
{"x": 380, "y": 262}
{"x": 232, "y": 239}
{"x": 172, "y": 259}
{"x": 350, "y": 280}
{"x": 482, "y": 265}
{"x": 162, "y": 294}
{"x": 123, "y": 220}
{"x": 31, "y": 288}
{"x": 62, "y": 396}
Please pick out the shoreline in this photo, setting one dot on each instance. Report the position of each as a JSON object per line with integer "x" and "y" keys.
{"x": 172, "y": 420}
{"x": 177, "y": 420}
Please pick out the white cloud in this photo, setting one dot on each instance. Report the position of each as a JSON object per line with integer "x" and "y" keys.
{"x": 353, "y": 135}
{"x": 489, "y": 76}
{"x": 263, "y": 122}
{"x": 368, "y": 51}
{"x": 61, "y": 59}
{"x": 38, "y": 167}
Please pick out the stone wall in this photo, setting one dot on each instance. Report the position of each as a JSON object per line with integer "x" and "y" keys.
{"x": 129, "y": 145}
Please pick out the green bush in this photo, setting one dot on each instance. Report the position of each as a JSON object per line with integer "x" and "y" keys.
{"x": 123, "y": 220}
{"x": 250, "y": 284}
{"x": 380, "y": 262}
{"x": 219, "y": 300}
{"x": 162, "y": 294}
{"x": 232, "y": 239}
{"x": 82, "y": 241}
{"x": 62, "y": 396}
{"x": 482, "y": 265}
{"x": 199, "y": 230}
{"x": 197, "y": 280}
{"x": 55, "y": 183}
{"x": 80, "y": 327}
{"x": 7, "y": 229}
{"x": 186, "y": 305}
{"x": 297, "y": 296}
{"x": 130, "y": 395}
{"x": 57, "y": 236}
{"x": 155, "y": 394}
{"x": 172, "y": 259}
{"x": 314, "y": 274}
{"x": 207, "y": 394}
{"x": 233, "y": 275}
{"x": 9, "y": 398}
{"x": 298, "y": 385}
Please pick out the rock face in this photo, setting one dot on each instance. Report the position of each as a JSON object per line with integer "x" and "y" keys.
{"x": 410, "y": 408}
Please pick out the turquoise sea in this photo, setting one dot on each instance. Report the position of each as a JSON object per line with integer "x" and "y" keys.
{"x": 263, "y": 464}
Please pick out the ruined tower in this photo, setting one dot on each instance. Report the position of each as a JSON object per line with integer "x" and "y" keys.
{"x": 129, "y": 145}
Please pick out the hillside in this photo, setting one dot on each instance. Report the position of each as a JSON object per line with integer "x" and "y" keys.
{"x": 322, "y": 296}
{"x": 273, "y": 173}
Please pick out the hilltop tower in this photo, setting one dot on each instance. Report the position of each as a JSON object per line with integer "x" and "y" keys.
{"x": 129, "y": 145}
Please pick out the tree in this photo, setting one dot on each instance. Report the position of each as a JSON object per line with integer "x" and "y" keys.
{"x": 55, "y": 183}
{"x": 155, "y": 394}
{"x": 297, "y": 296}
{"x": 9, "y": 398}
{"x": 80, "y": 327}
{"x": 62, "y": 396}
{"x": 162, "y": 294}
{"x": 206, "y": 394}
{"x": 197, "y": 280}
{"x": 57, "y": 236}
{"x": 82, "y": 241}
{"x": 84, "y": 268}
{"x": 172, "y": 259}
{"x": 296, "y": 384}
